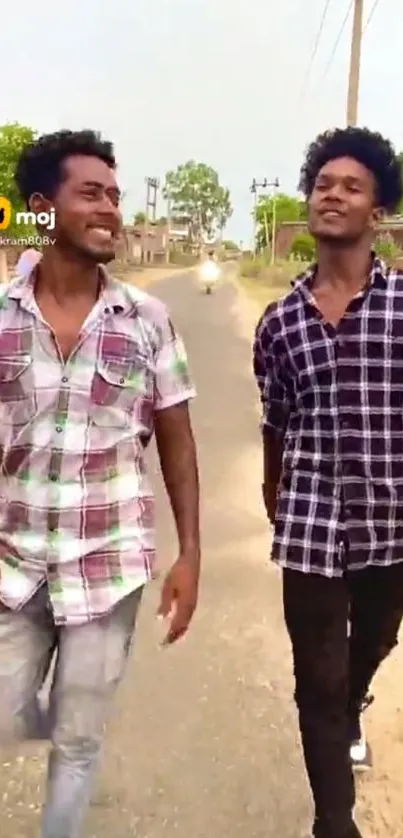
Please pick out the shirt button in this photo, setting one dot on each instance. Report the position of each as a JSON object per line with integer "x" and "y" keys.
{"x": 65, "y": 379}
{"x": 58, "y": 429}
{"x": 121, "y": 380}
{"x": 348, "y": 513}
{"x": 53, "y": 477}
{"x": 345, "y": 425}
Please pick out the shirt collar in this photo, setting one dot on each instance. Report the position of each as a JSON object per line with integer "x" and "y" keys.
{"x": 377, "y": 278}
{"x": 113, "y": 296}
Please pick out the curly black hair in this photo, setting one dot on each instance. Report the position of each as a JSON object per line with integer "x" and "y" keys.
{"x": 367, "y": 147}
{"x": 40, "y": 166}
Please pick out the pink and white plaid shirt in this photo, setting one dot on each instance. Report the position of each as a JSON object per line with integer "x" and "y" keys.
{"x": 27, "y": 261}
{"x": 76, "y": 508}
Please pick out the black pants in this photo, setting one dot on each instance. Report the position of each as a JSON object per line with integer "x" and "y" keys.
{"x": 333, "y": 673}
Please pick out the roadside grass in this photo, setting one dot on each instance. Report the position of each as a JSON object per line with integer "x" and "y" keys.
{"x": 142, "y": 276}
{"x": 267, "y": 283}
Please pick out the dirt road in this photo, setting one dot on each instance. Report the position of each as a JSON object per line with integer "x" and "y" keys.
{"x": 204, "y": 741}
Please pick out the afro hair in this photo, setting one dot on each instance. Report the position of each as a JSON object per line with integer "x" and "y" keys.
{"x": 367, "y": 147}
{"x": 40, "y": 167}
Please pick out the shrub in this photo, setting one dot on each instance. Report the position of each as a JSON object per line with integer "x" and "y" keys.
{"x": 227, "y": 244}
{"x": 303, "y": 247}
{"x": 184, "y": 258}
{"x": 386, "y": 247}
{"x": 253, "y": 266}
{"x": 140, "y": 218}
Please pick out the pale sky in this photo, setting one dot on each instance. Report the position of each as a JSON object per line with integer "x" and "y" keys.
{"x": 214, "y": 80}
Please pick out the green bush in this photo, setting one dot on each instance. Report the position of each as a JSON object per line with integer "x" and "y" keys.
{"x": 303, "y": 247}
{"x": 227, "y": 244}
{"x": 184, "y": 258}
{"x": 139, "y": 219}
{"x": 386, "y": 247}
{"x": 253, "y": 266}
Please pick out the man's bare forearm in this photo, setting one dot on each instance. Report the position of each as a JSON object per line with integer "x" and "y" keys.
{"x": 272, "y": 467}
{"x": 272, "y": 456}
{"x": 178, "y": 458}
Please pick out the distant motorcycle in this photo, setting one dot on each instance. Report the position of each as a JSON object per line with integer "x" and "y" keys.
{"x": 209, "y": 273}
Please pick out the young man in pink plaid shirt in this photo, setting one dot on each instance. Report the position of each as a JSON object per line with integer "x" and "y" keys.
{"x": 89, "y": 369}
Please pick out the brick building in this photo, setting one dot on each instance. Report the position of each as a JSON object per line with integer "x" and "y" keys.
{"x": 290, "y": 229}
{"x": 150, "y": 243}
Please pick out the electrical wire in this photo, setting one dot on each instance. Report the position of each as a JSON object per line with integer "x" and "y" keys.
{"x": 371, "y": 14}
{"x": 315, "y": 47}
{"x": 338, "y": 39}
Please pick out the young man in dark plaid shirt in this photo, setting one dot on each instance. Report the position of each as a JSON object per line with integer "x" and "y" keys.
{"x": 328, "y": 359}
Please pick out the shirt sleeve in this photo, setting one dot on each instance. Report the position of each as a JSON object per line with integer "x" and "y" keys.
{"x": 173, "y": 384}
{"x": 273, "y": 392}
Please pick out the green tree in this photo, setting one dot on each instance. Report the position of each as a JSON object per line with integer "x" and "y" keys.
{"x": 304, "y": 247}
{"x": 195, "y": 193}
{"x": 139, "y": 219}
{"x": 288, "y": 208}
{"x": 13, "y": 139}
{"x": 228, "y": 244}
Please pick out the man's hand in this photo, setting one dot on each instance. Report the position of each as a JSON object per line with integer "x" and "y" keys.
{"x": 269, "y": 491}
{"x": 179, "y": 596}
{"x": 177, "y": 452}
{"x": 272, "y": 468}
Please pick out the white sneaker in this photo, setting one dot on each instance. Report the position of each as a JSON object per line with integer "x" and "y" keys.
{"x": 360, "y": 751}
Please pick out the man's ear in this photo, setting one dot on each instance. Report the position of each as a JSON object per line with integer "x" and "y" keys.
{"x": 378, "y": 215}
{"x": 38, "y": 203}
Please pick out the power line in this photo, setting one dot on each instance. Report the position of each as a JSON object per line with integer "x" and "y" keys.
{"x": 371, "y": 14}
{"x": 315, "y": 47}
{"x": 338, "y": 39}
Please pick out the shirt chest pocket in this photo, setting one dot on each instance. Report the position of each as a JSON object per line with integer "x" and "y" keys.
{"x": 117, "y": 387}
{"x": 17, "y": 391}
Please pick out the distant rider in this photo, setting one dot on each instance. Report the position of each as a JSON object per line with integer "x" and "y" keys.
{"x": 209, "y": 272}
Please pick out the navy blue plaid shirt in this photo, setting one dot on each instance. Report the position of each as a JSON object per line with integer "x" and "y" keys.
{"x": 336, "y": 396}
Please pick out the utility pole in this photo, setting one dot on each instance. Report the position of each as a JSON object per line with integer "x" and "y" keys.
{"x": 355, "y": 63}
{"x": 265, "y": 184}
{"x": 254, "y": 189}
{"x": 275, "y": 186}
{"x": 256, "y": 185}
{"x": 152, "y": 185}
{"x": 169, "y": 218}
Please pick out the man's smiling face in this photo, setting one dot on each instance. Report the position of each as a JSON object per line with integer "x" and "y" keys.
{"x": 343, "y": 205}
{"x": 87, "y": 214}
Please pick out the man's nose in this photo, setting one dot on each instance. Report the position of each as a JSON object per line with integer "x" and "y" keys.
{"x": 107, "y": 205}
{"x": 335, "y": 191}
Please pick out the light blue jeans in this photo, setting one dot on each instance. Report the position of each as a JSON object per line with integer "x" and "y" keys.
{"x": 89, "y": 663}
